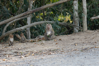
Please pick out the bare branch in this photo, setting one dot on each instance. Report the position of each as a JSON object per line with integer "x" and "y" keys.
{"x": 96, "y": 17}
{"x": 11, "y": 22}
{"x": 32, "y": 11}
{"x": 68, "y": 24}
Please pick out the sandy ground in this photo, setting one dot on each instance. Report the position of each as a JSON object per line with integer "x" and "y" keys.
{"x": 81, "y": 49}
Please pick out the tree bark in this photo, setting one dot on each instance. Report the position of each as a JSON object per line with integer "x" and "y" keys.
{"x": 84, "y": 15}
{"x": 75, "y": 16}
{"x": 96, "y": 17}
{"x": 32, "y": 11}
{"x": 29, "y": 20}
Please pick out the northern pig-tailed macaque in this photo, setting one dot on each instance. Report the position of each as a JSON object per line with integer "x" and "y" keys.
{"x": 23, "y": 38}
{"x": 49, "y": 32}
{"x": 11, "y": 39}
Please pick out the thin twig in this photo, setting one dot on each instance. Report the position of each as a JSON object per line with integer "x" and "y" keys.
{"x": 11, "y": 23}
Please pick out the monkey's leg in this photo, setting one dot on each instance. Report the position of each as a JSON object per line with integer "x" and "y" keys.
{"x": 10, "y": 43}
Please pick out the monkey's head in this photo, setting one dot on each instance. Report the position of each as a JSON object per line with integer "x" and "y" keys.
{"x": 21, "y": 34}
{"x": 11, "y": 36}
{"x": 48, "y": 27}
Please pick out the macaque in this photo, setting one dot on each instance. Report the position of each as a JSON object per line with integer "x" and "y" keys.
{"x": 23, "y": 38}
{"x": 11, "y": 40}
{"x": 49, "y": 32}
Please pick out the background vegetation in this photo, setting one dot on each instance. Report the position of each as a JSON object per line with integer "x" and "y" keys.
{"x": 59, "y": 13}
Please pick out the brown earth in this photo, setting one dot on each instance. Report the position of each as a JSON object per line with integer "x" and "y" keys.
{"x": 81, "y": 41}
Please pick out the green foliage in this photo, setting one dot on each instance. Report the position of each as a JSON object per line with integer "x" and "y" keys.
{"x": 59, "y": 13}
{"x": 93, "y": 8}
{"x": 52, "y": 1}
{"x": 50, "y": 14}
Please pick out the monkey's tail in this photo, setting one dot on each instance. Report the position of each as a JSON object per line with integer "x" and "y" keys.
{"x": 18, "y": 36}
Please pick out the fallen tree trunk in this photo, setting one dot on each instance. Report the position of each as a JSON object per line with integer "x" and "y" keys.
{"x": 32, "y": 11}
{"x": 96, "y": 17}
{"x": 33, "y": 24}
{"x": 21, "y": 28}
{"x": 61, "y": 23}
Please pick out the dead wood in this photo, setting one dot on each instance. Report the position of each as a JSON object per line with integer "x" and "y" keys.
{"x": 96, "y": 17}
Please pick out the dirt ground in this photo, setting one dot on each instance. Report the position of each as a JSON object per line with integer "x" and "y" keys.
{"x": 81, "y": 41}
